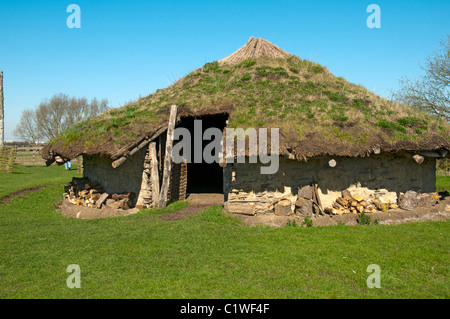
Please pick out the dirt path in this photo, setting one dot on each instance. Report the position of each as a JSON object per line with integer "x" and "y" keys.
{"x": 7, "y": 198}
{"x": 70, "y": 210}
{"x": 197, "y": 203}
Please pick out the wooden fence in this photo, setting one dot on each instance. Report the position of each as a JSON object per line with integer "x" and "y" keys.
{"x": 29, "y": 156}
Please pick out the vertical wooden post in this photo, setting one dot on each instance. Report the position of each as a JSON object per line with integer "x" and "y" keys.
{"x": 159, "y": 152}
{"x": 168, "y": 158}
{"x": 154, "y": 174}
{"x": 2, "y": 112}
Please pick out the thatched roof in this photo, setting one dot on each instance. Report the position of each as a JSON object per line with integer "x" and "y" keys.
{"x": 255, "y": 48}
{"x": 261, "y": 85}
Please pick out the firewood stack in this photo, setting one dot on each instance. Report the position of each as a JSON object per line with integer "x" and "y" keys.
{"x": 380, "y": 202}
{"x": 83, "y": 192}
{"x": 354, "y": 204}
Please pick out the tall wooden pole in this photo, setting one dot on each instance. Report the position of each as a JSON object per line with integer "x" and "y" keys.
{"x": 2, "y": 112}
{"x": 168, "y": 158}
{"x": 154, "y": 174}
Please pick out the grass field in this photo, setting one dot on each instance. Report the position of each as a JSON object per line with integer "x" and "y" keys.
{"x": 209, "y": 255}
{"x": 443, "y": 182}
{"x": 32, "y": 176}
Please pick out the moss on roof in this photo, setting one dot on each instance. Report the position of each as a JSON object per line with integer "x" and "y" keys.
{"x": 317, "y": 112}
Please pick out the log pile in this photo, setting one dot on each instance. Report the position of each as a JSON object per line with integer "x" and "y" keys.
{"x": 354, "y": 204}
{"x": 307, "y": 202}
{"x": 251, "y": 203}
{"x": 380, "y": 202}
{"x": 83, "y": 192}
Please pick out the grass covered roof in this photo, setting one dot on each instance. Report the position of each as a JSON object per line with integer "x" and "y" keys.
{"x": 261, "y": 85}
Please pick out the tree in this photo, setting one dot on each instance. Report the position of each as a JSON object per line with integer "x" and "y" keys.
{"x": 50, "y": 115}
{"x": 431, "y": 92}
{"x": 57, "y": 115}
{"x": 28, "y": 129}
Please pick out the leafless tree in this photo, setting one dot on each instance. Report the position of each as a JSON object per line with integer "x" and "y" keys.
{"x": 431, "y": 92}
{"x": 57, "y": 115}
{"x": 50, "y": 115}
{"x": 28, "y": 129}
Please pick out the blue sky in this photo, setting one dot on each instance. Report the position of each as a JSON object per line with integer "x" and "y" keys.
{"x": 127, "y": 49}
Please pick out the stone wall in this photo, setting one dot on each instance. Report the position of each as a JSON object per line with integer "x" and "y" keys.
{"x": 243, "y": 182}
{"x": 125, "y": 178}
{"x": 145, "y": 196}
{"x": 128, "y": 177}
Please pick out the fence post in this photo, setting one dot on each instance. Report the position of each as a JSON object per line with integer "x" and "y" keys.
{"x": 2, "y": 112}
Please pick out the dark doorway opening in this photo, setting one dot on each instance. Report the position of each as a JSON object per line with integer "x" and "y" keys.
{"x": 203, "y": 177}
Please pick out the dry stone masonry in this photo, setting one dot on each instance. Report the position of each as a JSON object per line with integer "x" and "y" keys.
{"x": 351, "y": 185}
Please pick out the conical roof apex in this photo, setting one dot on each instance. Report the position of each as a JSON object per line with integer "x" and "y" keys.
{"x": 255, "y": 48}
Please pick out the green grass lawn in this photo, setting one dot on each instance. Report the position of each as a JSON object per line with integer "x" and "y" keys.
{"x": 31, "y": 176}
{"x": 209, "y": 255}
{"x": 443, "y": 182}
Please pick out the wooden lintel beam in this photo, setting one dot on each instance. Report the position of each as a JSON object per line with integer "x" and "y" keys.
{"x": 137, "y": 147}
{"x": 430, "y": 154}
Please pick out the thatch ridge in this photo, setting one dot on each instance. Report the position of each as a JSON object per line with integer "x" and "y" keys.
{"x": 255, "y": 48}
